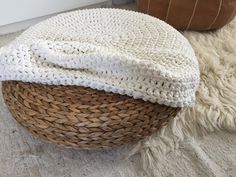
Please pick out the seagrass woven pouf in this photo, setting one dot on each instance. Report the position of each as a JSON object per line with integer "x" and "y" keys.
{"x": 81, "y": 117}
{"x": 98, "y": 78}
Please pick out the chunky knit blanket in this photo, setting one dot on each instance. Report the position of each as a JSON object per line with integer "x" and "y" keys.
{"x": 114, "y": 50}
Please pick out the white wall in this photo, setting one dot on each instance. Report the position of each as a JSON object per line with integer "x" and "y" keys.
{"x": 12, "y": 11}
{"x": 16, "y": 15}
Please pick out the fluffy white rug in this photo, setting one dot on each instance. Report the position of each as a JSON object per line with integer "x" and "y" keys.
{"x": 215, "y": 108}
{"x": 180, "y": 149}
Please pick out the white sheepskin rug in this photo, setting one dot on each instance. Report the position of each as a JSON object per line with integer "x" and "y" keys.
{"x": 215, "y": 108}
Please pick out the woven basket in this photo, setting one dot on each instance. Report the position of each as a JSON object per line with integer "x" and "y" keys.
{"x": 82, "y": 117}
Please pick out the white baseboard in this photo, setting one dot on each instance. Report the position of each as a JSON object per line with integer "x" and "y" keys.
{"x": 14, "y": 27}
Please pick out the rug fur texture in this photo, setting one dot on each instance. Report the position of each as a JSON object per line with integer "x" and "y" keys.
{"x": 215, "y": 108}
{"x": 201, "y": 141}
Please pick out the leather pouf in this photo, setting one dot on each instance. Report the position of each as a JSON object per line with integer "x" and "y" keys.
{"x": 191, "y": 14}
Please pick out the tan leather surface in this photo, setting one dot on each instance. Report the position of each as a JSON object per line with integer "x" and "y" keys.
{"x": 191, "y": 14}
{"x": 227, "y": 13}
{"x": 180, "y": 13}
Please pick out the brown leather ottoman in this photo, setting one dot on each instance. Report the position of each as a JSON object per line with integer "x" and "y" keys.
{"x": 191, "y": 14}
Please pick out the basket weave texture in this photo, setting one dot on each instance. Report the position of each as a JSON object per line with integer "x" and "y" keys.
{"x": 81, "y": 117}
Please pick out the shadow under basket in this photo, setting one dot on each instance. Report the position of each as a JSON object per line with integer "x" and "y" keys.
{"x": 81, "y": 117}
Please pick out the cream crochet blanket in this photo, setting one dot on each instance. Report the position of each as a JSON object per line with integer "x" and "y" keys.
{"x": 106, "y": 49}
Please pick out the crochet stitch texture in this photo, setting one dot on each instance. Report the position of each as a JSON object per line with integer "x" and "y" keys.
{"x": 114, "y": 50}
